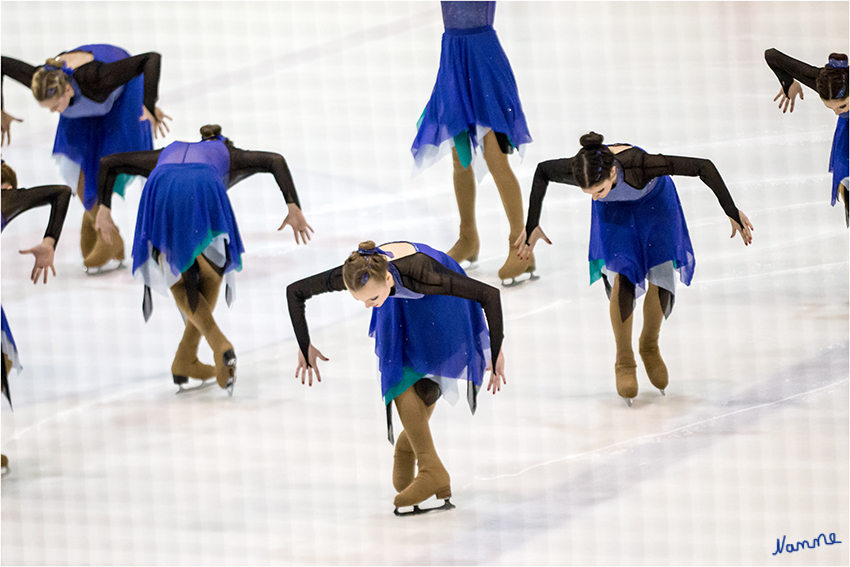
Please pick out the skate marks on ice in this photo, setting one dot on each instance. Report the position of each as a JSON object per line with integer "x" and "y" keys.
{"x": 613, "y": 472}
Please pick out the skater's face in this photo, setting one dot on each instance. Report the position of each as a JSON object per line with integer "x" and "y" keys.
{"x": 601, "y": 189}
{"x": 375, "y": 292}
{"x": 59, "y": 103}
{"x": 838, "y": 106}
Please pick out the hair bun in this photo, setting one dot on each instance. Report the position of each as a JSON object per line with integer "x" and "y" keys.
{"x": 591, "y": 140}
{"x": 366, "y": 245}
{"x": 210, "y": 131}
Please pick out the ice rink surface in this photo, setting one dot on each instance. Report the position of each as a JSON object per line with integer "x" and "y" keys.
{"x": 108, "y": 466}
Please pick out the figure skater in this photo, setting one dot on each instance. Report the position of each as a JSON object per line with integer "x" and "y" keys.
{"x": 14, "y": 202}
{"x": 637, "y": 232}
{"x": 187, "y": 239}
{"x": 830, "y": 82}
{"x": 106, "y": 100}
{"x": 475, "y": 104}
{"x": 429, "y": 333}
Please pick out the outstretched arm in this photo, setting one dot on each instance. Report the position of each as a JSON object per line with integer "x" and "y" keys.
{"x": 787, "y": 70}
{"x": 16, "y": 201}
{"x": 297, "y": 294}
{"x": 130, "y": 163}
{"x": 244, "y": 164}
{"x": 557, "y": 170}
{"x": 97, "y": 79}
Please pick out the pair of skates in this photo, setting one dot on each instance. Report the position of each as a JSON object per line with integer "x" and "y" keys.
{"x": 99, "y": 257}
{"x": 229, "y": 361}
{"x": 466, "y": 249}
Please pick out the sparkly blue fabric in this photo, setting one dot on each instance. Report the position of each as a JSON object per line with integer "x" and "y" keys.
{"x": 438, "y": 335}
{"x": 9, "y": 348}
{"x": 465, "y": 15}
{"x": 631, "y": 236}
{"x": 475, "y": 86}
{"x": 184, "y": 206}
{"x": 87, "y": 134}
{"x": 838, "y": 157}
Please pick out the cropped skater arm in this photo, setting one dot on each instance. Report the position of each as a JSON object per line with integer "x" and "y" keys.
{"x": 16, "y": 201}
{"x": 16, "y": 70}
{"x": 557, "y": 170}
{"x": 299, "y": 292}
{"x": 641, "y": 167}
{"x": 130, "y": 163}
{"x": 244, "y": 163}
{"x": 97, "y": 80}
{"x": 787, "y": 69}
{"x": 422, "y": 274}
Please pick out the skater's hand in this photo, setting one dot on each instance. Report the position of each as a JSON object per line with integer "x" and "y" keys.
{"x": 43, "y": 258}
{"x": 6, "y": 122}
{"x": 307, "y": 371}
{"x": 499, "y": 373}
{"x": 746, "y": 233}
{"x": 299, "y": 225}
{"x": 794, "y": 91}
{"x": 158, "y": 124}
{"x": 103, "y": 223}
{"x": 524, "y": 250}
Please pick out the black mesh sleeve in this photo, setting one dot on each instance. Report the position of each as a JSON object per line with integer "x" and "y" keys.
{"x": 787, "y": 69}
{"x": 299, "y": 292}
{"x": 17, "y": 71}
{"x": 640, "y": 167}
{"x": 557, "y": 170}
{"x": 130, "y": 163}
{"x": 422, "y": 274}
{"x": 244, "y": 163}
{"x": 16, "y": 201}
{"x": 97, "y": 80}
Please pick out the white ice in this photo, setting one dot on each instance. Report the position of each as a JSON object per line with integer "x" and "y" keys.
{"x": 108, "y": 466}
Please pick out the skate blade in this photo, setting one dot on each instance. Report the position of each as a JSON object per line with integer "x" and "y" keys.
{"x": 515, "y": 282}
{"x": 202, "y": 386}
{"x": 417, "y": 511}
{"x": 104, "y": 269}
{"x": 4, "y": 471}
{"x": 230, "y": 362}
{"x": 663, "y": 393}
{"x": 628, "y": 401}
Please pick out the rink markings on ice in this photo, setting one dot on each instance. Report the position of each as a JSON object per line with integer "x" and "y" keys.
{"x": 661, "y": 435}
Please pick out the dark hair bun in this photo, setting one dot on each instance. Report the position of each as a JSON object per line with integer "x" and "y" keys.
{"x": 210, "y": 131}
{"x": 838, "y": 56}
{"x": 367, "y": 245}
{"x": 591, "y": 140}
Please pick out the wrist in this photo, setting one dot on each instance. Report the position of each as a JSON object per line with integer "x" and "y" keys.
{"x": 49, "y": 241}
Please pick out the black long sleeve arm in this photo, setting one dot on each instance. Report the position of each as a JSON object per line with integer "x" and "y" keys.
{"x": 787, "y": 69}
{"x": 130, "y": 163}
{"x": 640, "y": 168}
{"x": 97, "y": 80}
{"x": 16, "y": 70}
{"x": 420, "y": 273}
{"x": 245, "y": 163}
{"x": 557, "y": 170}
{"x": 17, "y": 201}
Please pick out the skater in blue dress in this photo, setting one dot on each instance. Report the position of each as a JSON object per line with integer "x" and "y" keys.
{"x": 106, "y": 100}
{"x": 637, "y": 233}
{"x": 428, "y": 321}
{"x": 830, "y": 82}
{"x": 475, "y": 106}
{"x": 187, "y": 240}
{"x": 15, "y": 201}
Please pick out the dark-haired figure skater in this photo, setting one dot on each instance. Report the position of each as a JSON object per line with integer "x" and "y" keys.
{"x": 13, "y": 202}
{"x": 475, "y": 103}
{"x": 106, "y": 102}
{"x": 830, "y": 82}
{"x": 429, "y": 333}
{"x": 187, "y": 239}
{"x": 637, "y": 233}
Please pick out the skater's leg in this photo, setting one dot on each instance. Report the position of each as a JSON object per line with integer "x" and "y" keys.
{"x": 509, "y": 191}
{"x": 653, "y": 316}
{"x": 466, "y": 247}
{"x": 404, "y": 459}
{"x": 87, "y": 234}
{"x": 202, "y": 319}
{"x": 186, "y": 363}
{"x": 625, "y": 367}
{"x": 432, "y": 479}
{"x": 96, "y": 252}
